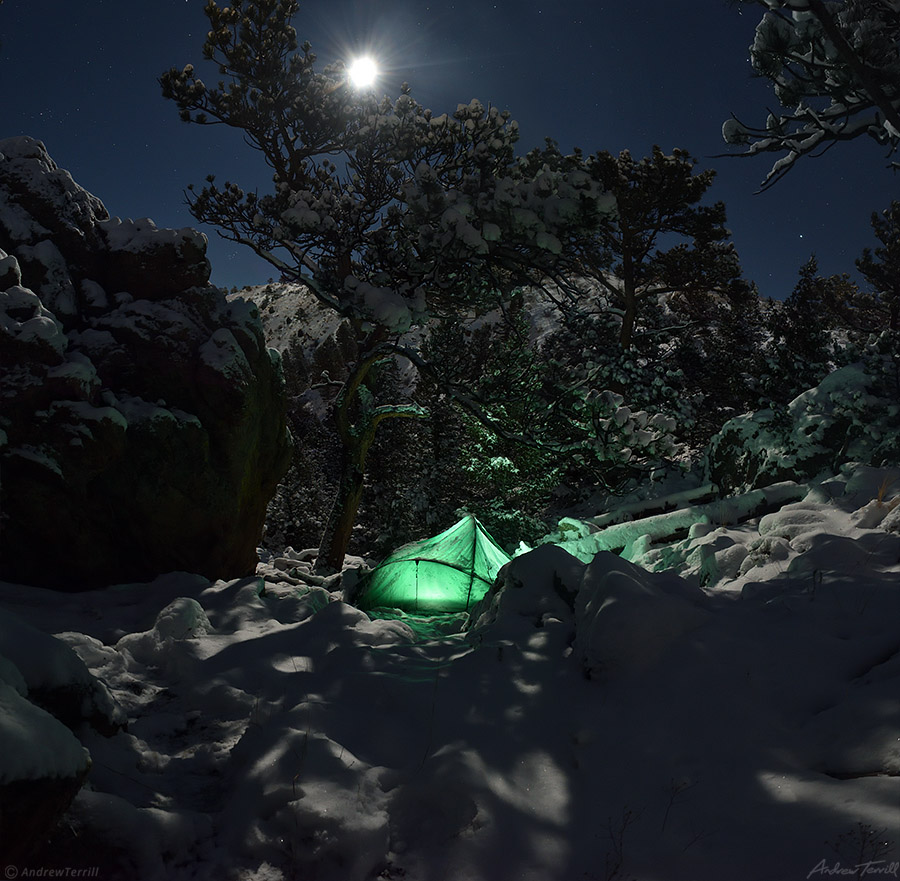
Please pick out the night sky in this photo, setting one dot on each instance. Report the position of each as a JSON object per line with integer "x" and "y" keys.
{"x": 81, "y": 76}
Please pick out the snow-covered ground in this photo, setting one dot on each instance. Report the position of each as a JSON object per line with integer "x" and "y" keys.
{"x": 591, "y": 721}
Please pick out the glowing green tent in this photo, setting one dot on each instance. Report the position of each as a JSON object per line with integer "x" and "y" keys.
{"x": 448, "y": 573}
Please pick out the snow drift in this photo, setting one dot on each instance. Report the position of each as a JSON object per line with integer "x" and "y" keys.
{"x": 588, "y": 720}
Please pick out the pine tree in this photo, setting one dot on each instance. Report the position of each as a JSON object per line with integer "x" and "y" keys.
{"x": 652, "y": 279}
{"x": 881, "y": 267}
{"x": 803, "y": 349}
{"x": 720, "y": 356}
{"x": 631, "y": 255}
{"x": 391, "y": 215}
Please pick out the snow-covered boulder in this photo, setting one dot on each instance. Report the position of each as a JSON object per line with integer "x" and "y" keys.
{"x": 136, "y": 404}
{"x": 627, "y": 617}
{"x": 615, "y": 617}
{"x": 42, "y": 763}
{"x": 531, "y": 590}
{"x": 42, "y": 767}
{"x": 56, "y": 678}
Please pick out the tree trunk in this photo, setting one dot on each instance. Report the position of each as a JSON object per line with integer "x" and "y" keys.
{"x": 630, "y": 295}
{"x": 357, "y": 419}
{"x": 342, "y": 517}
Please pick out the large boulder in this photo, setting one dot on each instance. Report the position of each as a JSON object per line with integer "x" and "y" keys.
{"x": 142, "y": 417}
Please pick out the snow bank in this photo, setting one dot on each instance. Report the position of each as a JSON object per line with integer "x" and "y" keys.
{"x": 34, "y": 745}
{"x": 746, "y": 692}
{"x": 154, "y": 837}
{"x": 626, "y": 617}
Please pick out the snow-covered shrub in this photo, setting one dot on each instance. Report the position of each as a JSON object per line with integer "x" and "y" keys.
{"x": 619, "y": 442}
{"x": 851, "y": 415}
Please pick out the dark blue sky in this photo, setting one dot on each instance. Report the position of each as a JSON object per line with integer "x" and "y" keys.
{"x": 81, "y": 76}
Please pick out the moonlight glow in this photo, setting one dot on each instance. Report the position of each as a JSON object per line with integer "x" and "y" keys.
{"x": 363, "y": 72}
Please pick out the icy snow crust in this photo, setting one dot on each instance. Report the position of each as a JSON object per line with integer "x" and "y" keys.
{"x": 726, "y": 716}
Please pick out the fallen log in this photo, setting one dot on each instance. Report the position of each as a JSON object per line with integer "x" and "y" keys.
{"x": 675, "y": 525}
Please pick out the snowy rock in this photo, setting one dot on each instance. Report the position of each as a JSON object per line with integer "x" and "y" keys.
{"x": 715, "y": 558}
{"x": 891, "y": 521}
{"x": 530, "y": 590}
{"x": 34, "y": 744}
{"x": 143, "y": 409}
{"x": 871, "y": 515}
{"x": 42, "y": 764}
{"x": 763, "y": 550}
{"x": 42, "y": 767}
{"x": 792, "y": 521}
{"x": 10, "y": 675}
{"x": 56, "y": 678}
{"x": 182, "y": 619}
{"x": 149, "y": 262}
{"x": 626, "y": 617}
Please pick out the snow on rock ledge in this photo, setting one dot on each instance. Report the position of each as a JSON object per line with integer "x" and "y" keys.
{"x": 136, "y": 403}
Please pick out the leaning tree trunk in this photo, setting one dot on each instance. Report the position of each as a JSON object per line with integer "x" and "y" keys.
{"x": 342, "y": 518}
{"x": 357, "y": 419}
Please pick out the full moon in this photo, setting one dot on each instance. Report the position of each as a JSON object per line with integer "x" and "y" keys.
{"x": 363, "y": 72}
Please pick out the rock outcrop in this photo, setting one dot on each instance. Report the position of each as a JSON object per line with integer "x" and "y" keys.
{"x": 142, "y": 417}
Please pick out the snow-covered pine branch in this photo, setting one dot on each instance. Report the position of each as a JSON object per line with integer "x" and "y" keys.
{"x": 835, "y": 70}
